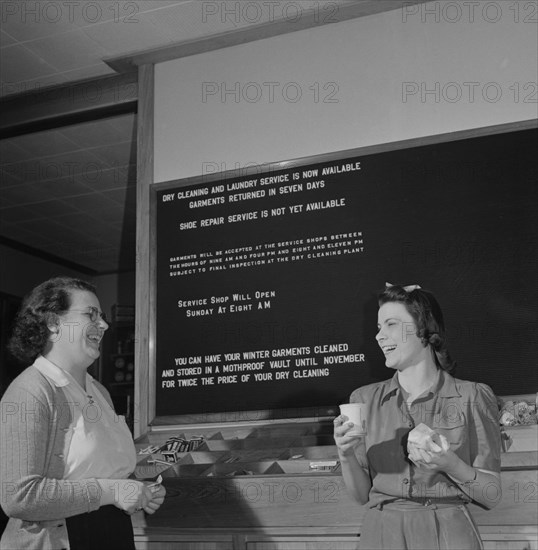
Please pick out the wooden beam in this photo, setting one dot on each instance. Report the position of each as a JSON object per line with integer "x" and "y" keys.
{"x": 68, "y": 104}
{"x": 312, "y": 18}
{"x": 145, "y": 276}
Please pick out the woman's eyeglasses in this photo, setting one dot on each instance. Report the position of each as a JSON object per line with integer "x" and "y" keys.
{"x": 93, "y": 313}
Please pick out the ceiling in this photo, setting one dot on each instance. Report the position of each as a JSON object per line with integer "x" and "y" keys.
{"x": 70, "y": 193}
{"x": 67, "y": 193}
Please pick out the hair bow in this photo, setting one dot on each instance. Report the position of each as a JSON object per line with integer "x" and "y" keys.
{"x": 408, "y": 288}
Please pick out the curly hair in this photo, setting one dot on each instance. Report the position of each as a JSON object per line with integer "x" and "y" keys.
{"x": 40, "y": 309}
{"x": 426, "y": 312}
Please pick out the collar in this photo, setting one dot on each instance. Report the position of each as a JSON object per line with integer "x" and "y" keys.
{"x": 446, "y": 386}
{"x": 57, "y": 375}
{"x": 393, "y": 387}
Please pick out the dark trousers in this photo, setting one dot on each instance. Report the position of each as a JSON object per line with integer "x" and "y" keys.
{"x": 106, "y": 528}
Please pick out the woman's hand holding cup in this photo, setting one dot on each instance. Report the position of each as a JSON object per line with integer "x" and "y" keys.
{"x": 349, "y": 427}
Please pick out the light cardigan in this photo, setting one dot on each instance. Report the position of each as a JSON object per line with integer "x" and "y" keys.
{"x": 35, "y": 428}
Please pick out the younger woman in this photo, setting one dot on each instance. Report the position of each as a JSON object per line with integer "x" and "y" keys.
{"x": 420, "y": 504}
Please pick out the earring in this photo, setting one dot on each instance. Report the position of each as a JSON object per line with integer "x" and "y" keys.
{"x": 54, "y": 333}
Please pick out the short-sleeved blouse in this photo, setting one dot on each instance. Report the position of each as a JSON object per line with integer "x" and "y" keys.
{"x": 466, "y": 413}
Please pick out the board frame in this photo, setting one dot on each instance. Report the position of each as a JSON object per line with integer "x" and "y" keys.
{"x": 145, "y": 373}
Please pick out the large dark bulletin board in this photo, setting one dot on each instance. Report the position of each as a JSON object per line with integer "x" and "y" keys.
{"x": 266, "y": 281}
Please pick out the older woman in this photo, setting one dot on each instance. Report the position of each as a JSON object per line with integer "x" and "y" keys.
{"x": 420, "y": 502}
{"x": 65, "y": 455}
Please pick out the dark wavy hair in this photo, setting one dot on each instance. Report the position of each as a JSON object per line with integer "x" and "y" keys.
{"x": 39, "y": 309}
{"x": 426, "y": 312}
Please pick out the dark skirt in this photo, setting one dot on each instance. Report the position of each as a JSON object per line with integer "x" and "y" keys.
{"x": 107, "y": 527}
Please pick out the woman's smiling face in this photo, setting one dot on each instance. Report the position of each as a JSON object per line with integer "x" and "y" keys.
{"x": 79, "y": 336}
{"x": 397, "y": 337}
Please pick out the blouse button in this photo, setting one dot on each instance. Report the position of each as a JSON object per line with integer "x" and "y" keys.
{"x": 60, "y": 455}
{"x": 405, "y": 480}
{"x": 410, "y": 424}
